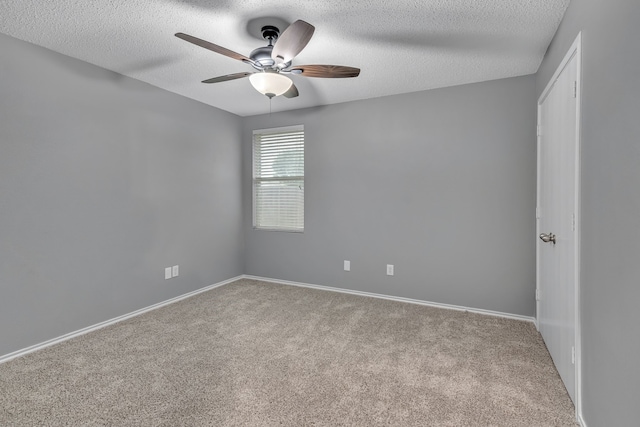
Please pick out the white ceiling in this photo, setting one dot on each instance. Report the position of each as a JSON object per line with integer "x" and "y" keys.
{"x": 400, "y": 45}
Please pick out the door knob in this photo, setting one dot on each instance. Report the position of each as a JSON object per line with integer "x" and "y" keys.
{"x": 548, "y": 238}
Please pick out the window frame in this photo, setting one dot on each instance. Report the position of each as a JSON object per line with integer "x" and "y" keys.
{"x": 268, "y": 131}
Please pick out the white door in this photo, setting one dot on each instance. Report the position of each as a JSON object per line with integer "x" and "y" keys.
{"x": 557, "y": 210}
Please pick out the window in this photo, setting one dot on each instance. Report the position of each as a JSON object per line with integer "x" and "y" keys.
{"x": 278, "y": 179}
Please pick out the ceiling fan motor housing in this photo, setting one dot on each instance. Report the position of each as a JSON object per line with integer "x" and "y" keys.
{"x": 262, "y": 55}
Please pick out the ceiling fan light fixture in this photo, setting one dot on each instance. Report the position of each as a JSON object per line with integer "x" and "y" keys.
{"x": 270, "y": 84}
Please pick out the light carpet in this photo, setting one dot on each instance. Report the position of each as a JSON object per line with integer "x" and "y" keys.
{"x": 260, "y": 354}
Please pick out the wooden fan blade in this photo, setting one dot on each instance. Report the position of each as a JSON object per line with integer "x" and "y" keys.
{"x": 227, "y": 78}
{"x": 327, "y": 71}
{"x": 292, "y": 41}
{"x": 213, "y": 47}
{"x": 292, "y": 92}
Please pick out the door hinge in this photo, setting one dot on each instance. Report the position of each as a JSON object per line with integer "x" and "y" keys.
{"x": 539, "y": 130}
{"x": 537, "y": 294}
{"x": 575, "y": 88}
{"x": 573, "y": 355}
{"x": 537, "y": 213}
{"x": 573, "y": 222}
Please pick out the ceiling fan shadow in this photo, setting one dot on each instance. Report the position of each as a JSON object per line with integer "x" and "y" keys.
{"x": 455, "y": 41}
{"x": 205, "y": 4}
{"x": 88, "y": 71}
{"x": 311, "y": 95}
{"x": 255, "y": 24}
{"x": 135, "y": 70}
{"x": 150, "y": 64}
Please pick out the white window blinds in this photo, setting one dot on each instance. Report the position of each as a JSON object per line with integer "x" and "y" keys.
{"x": 278, "y": 179}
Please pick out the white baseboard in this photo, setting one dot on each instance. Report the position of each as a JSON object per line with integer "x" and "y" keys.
{"x": 392, "y": 298}
{"x": 581, "y": 421}
{"x": 100, "y": 325}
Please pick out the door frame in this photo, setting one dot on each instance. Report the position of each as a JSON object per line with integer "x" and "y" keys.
{"x": 575, "y": 50}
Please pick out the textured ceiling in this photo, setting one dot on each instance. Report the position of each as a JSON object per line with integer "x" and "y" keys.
{"x": 400, "y": 45}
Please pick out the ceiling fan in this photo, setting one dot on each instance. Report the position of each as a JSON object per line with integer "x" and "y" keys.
{"x": 274, "y": 61}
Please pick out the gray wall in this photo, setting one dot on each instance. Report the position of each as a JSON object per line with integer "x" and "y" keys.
{"x": 439, "y": 183}
{"x": 610, "y": 202}
{"x": 104, "y": 181}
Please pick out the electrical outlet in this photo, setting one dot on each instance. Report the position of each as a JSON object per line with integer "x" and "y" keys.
{"x": 175, "y": 270}
{"x": 347, "y": 265}
{"x": 389, "y": 269}
{"x": 167, "y": 273}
